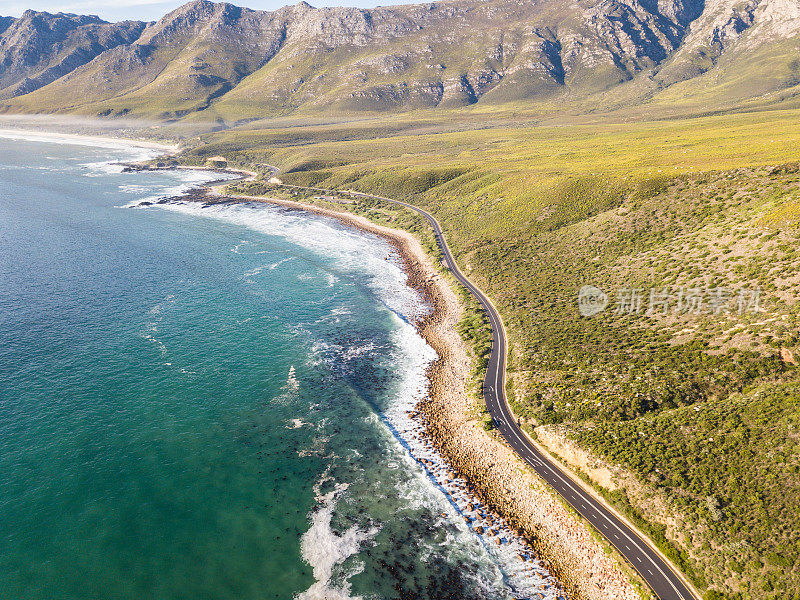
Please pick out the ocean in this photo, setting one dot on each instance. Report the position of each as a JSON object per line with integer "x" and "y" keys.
{"x": 210, "y": 402}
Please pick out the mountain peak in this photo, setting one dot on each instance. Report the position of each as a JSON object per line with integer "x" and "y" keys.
{"x": 31, "y": 14}
{"x": 193, "y": 7}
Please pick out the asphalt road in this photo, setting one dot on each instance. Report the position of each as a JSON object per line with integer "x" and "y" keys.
{"x": 659, "y": 574}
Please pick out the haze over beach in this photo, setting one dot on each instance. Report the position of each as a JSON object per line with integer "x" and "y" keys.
{"x": 468, "y": 299}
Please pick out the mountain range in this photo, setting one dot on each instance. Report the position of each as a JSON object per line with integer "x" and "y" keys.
{"x": 220, "y": 62}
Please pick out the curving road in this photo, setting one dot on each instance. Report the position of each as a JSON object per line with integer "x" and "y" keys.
{"x": 658, "y": 573}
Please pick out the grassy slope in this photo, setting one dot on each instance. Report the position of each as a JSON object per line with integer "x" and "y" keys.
{"x": 533, "y": 212}
{"x": 767, "y": 74}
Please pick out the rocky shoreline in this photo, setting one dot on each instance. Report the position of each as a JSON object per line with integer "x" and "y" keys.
{"x": 198, "y": 193}
{"x": 503, "y": 498}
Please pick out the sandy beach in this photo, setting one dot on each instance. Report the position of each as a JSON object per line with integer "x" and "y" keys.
{"x": 85, "y": 140}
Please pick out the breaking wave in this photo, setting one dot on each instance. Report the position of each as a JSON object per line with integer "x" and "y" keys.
{"x": 354, "y": 253}
{"x": 326, "y": 550}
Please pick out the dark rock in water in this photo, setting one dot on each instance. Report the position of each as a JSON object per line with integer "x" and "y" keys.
{"x": 133, "y": 167}
{"x": 145, "y": 203}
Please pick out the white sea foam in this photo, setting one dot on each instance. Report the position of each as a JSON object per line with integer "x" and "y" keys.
{"x": 291, "y": 380}
{"x": 354, "y": 253}
{"x": 196, "y": 176}
{"x": 326, "y": 550}
{"x": 290, "y": 390}
{"x": 152, "y": 331}
{"x": 102, "y": 168}
{"x": 249, "y": 247}
{"x": 183, "y": 180}
{"x": 135, "y": 188}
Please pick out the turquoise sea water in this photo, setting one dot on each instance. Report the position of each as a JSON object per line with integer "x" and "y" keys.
{"x": 209, "y": 402}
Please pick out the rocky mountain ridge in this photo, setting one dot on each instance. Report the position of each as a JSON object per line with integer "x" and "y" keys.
{"x": 230, "y": 63}
{"x": 39, "y": 48}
